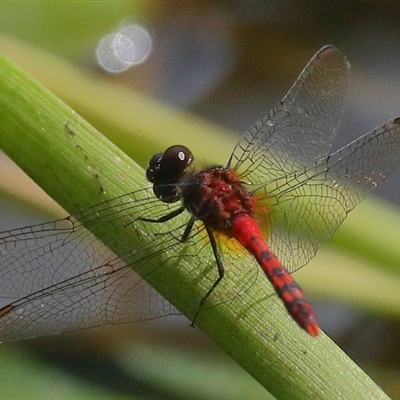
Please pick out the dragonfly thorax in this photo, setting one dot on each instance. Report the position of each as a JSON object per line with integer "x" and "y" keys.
{"x": 216, "y": 196}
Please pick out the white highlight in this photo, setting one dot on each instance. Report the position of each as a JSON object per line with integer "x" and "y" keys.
{"x": 129, "y": 46}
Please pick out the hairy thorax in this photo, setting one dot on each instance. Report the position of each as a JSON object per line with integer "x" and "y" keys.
{"x": 217, "y": 197}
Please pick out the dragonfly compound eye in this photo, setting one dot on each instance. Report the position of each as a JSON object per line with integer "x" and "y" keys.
{"x": 176, "y": 159}
{"x": 154, "y": 168}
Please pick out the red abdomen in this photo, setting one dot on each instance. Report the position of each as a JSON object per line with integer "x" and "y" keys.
{"x": 217, "y": 197}
{"x": 248, "y": 234}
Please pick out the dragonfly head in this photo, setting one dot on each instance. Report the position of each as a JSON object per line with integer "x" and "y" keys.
{"x": 165, "y": 171}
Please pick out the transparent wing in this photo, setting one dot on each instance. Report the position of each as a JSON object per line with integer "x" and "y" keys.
{"x": 58, "y": 277}
{"x": 301, "y": 128}
{"x": 308, "y": 206}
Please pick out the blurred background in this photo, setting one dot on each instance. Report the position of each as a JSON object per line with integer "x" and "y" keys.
{"x": 227, "y": 63}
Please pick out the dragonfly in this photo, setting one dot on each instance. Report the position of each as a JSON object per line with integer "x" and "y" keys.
{"x": 280, "y": 196}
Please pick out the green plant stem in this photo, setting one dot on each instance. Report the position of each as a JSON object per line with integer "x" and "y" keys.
{"x": 78, "y": 167}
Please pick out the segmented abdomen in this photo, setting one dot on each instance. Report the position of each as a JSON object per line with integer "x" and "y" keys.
{"x": 246, "y": 231}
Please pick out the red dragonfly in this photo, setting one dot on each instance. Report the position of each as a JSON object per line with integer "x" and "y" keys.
{"x": 279, "y": 198}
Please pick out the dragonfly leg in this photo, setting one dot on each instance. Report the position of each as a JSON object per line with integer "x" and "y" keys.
{"x": 221, "y": 273}
{"x": 166, "y": 217}
{"x": 188, "y": 229}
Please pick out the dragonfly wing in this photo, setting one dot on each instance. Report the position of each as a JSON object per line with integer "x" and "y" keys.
{"x": 84, "y": 301}
{"x": 308, "y": 207}
{"x": 301, "y": 128}
{"x": 58, "y": 276}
